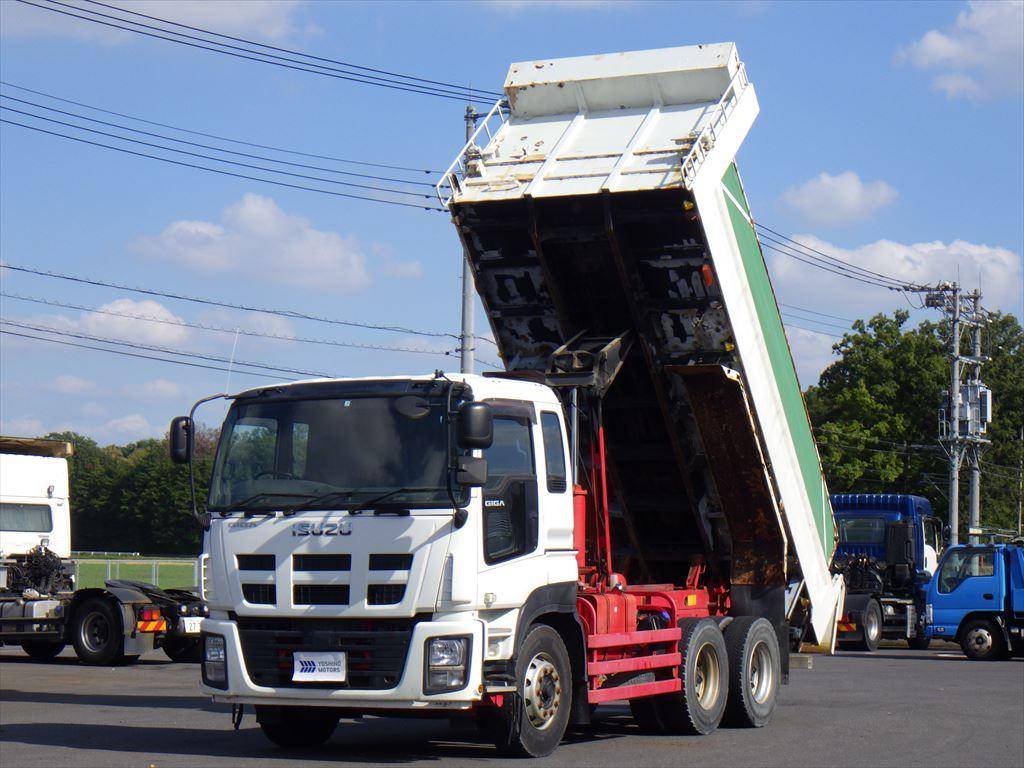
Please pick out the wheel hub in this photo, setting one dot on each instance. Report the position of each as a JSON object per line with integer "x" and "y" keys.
{"x": 761, "y": 673}
{"x": 95, "y": 632}
{"x": 980, "y": 639}
{"x": 705, "y": 679}
{"x": 542, "y": 691}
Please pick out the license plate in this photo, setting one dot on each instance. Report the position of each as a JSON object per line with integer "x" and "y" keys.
{"x": 318, "y": 667}
{"x": 190, "y": 624}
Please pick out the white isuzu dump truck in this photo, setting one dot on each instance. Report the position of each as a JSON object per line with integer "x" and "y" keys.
{"x": 41, "y": 608}
{"x": 633, "y": 510}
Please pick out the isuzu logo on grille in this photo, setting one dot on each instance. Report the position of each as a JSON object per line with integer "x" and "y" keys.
{"x": 322, "y": 529}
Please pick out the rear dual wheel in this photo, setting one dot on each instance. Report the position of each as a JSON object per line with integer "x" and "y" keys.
{"x": 731, "y": 677}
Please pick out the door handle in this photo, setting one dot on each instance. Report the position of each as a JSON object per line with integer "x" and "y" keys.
{"x": 987, "y": 596}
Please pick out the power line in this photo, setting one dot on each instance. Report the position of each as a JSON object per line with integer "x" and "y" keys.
{"x": 466, "y": 89}
{"x": 219, "y": 138}
{"x": 220, "y": 329}
{"x": 200, "y": 155}
{"x": 258, "y": 56}
{"x": 156, "y": 348}
{"x": 812, "y": 320}
{"x": 811, "y": 330}
{"x": 815, "y": 312}
{"x": 144, "y": 357}
{"x": 808, "y": 250}
{"x": 205, "y": 146}
{"x": 295, "y": 314}
{"x": 819, "y": 263}
{"x": 223, "y": 172}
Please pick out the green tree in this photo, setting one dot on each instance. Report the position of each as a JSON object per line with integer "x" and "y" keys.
{"x": 875, "y": 411}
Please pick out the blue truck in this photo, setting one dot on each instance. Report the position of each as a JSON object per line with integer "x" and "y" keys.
{"x": 888, "y": 549}
{"x": 977, "y": 600}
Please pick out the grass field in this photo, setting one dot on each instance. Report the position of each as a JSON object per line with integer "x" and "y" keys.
{"x": 170, "y": 573}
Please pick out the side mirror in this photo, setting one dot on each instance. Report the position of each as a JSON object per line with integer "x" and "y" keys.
{"x": 471, "y": 471}
{"x": 476, "y": 425}
{"x": 180, "y": 438}
{"x": 947, "y": 534}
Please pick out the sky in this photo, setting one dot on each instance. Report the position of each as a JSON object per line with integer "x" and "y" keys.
{"x": 890, "y": 135}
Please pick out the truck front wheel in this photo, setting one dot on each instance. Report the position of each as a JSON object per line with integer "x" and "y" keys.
{"x": 982, "y": 640}
{"x": 297, "y": 727}
{"x": 532, "y": 721}
{"x": 755, "y": 671}
{"x": 97, "y": 634}
{"x": 42, "y": 650}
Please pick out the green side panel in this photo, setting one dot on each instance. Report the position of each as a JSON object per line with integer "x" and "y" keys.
{"x": 781, "y": 360}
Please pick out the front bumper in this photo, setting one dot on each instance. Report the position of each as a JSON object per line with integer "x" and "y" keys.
{"x": 406, "y": 695}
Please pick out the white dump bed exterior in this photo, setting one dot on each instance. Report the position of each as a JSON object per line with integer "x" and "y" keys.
{"x": 622, "y": 128}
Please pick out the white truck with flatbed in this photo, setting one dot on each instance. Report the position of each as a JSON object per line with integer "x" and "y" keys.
{"x": 40, "y": 607}
{"x": 633, "y": 510}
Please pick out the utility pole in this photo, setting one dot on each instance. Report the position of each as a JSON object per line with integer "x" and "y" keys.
{"x": 962, "y": 432}
{"x": 466, "y": 339}
{"x": 1020, "y": 481}
{"x": 955, "y": 448}
{"x": 974, "y": 448}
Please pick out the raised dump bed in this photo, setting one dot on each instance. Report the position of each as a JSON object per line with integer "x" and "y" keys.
{"x": 602, "y": 197}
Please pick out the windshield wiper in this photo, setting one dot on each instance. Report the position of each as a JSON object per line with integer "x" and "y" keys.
{"x": 388, "y": 495}
{"x": 316, "y": 501}
{"x": 241, "y": 505}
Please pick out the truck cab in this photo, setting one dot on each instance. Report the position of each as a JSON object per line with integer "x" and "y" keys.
{"x": 333, "y": 524}
{"x": 977, "y": 599}
{"x": 888, "y": 548}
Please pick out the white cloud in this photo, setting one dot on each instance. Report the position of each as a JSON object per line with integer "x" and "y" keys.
{"x": 23, "y": 427}
{"x": 71, "y": 385}
{"x": 920, "y": 263}
{"x": 133, "y": 425}
{"x": 828, "y": 200}
{"x": 266, "y": 19}
{"x": 260, "y": 322}
{"x": 157, "y": 389}
{"x": 980, "y": 57}
{"x": 260, "y": 240}
{"x": 130, "y": 329}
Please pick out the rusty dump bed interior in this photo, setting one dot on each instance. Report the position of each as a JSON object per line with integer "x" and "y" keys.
{"x": 686, "y": 465}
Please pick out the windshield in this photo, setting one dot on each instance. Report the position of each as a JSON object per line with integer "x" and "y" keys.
{"x": 862, "y": 530}
{"x": 332, "y": 453}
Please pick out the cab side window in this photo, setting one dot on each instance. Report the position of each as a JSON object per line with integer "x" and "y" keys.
{"x": 962, "y": 565}
{"x": 554, "y": 452}
{"x": 510, "y": 496}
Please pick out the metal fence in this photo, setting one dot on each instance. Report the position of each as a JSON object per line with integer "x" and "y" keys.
{"x": 164, "y": 572}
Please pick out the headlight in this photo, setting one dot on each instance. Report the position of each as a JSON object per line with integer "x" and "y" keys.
{"x": 183, "y": 609}
{"x": 447, "y": 652}
{"x": 215, "y": 668}
{"x": 444, "y": 667}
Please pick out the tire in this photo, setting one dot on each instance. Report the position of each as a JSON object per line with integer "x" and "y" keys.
{"x": 297, "y": 727}
{"x": 870, "y": 628}
{"x": 698, "y": 708}
{"x": 982, "y": 640}
{"x": 755, "y": 672}
{"x": 97, "y": 634}
{"x": 532, "y": 721}
{"x": 42, "y": 650}
{"x": 183, "y": 650}
{"x": 919, "y": 642}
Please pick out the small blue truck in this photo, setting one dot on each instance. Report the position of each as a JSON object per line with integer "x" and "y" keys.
{"x": 977, "y": 600}
{"x": 887, "y": 552}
